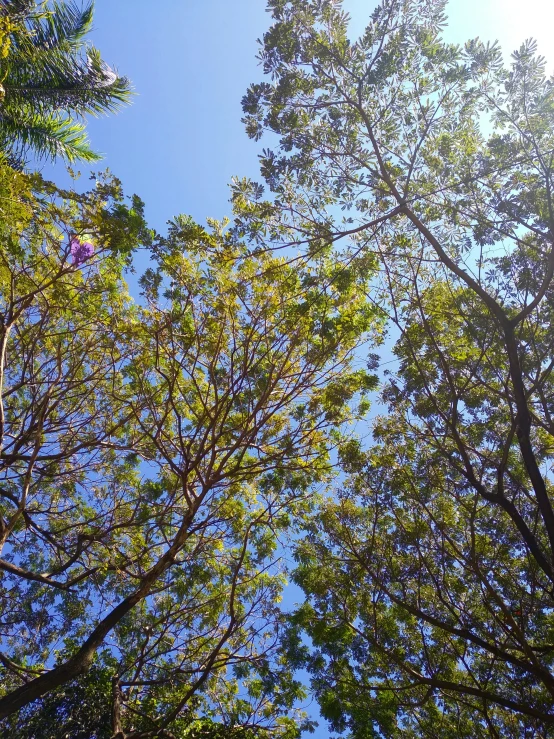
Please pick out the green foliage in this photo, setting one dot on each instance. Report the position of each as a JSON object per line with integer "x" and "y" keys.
{"x": 80, "y": 710}
{"x": 83, "y": 710}
{"x": 50, "y": 78}
{"x": 154, "y": 455}
{"x": 429, "y": 577}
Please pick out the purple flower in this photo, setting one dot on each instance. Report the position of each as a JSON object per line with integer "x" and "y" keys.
{"x": 80, "y": 252}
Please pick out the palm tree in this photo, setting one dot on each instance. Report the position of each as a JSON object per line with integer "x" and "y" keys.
{"x": 50, "y": 78}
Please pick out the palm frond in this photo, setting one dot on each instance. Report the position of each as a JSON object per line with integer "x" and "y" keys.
{"x": 49, "y": 137}
{"x": 62, "y": 27}
{"x": 51, "y": 77}
{"x": 45, "y": 45}
{"x": 84, "y": 86}
{"x": 68, "y": 23}
{"x": 17, "y": 9}
{"x": 51, "y": 67}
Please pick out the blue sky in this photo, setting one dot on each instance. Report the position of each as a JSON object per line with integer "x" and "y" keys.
{"x": 191, "y": 61}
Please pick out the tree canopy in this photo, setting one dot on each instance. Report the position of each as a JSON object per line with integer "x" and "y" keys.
{"x": 162, "y": 454}
{"x": 428, "y": 579}
{"x": 50, "y": 79}
{"x": 154, "y": 455}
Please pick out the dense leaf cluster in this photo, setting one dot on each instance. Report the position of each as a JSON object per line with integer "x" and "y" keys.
{"x": 155, "y": 454}
{"x": 429, "y": 577}
{"x": 50, "y": 79}
{"x": 160, "y": 457}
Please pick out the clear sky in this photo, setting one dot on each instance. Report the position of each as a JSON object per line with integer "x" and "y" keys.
{"x": 191, "y": 61}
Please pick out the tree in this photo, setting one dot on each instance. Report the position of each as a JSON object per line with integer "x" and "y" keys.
{"x": 429, "y": 578}
{"x": 50, "y": 79}
{"x": 83, "y": 709}
{"x": 155, "y": 455}
{"x": 79, "y": 710}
